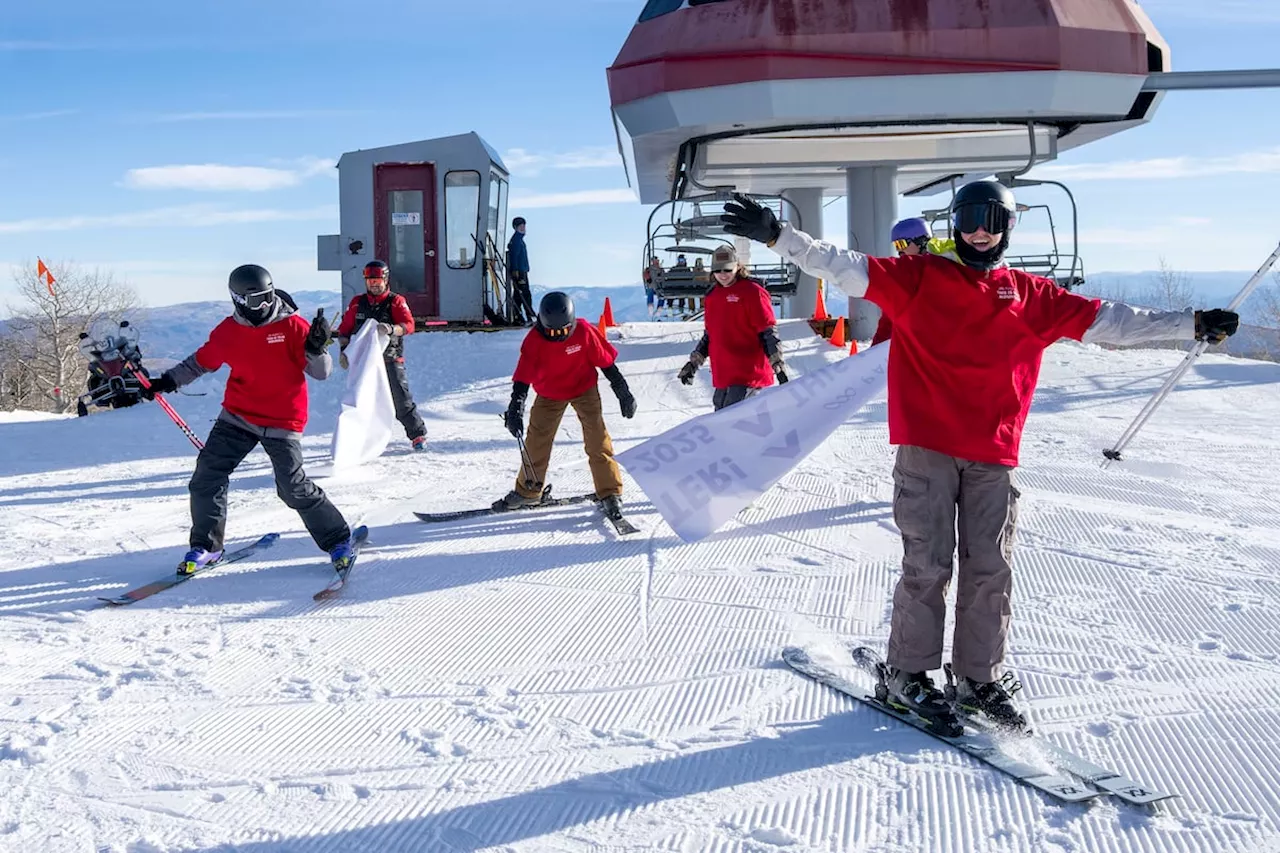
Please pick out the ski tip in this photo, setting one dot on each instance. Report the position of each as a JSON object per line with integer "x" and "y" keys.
{"x": 361, "y": 533}
{"x": 269, "y": 539}
{"x": 797, "y": 654}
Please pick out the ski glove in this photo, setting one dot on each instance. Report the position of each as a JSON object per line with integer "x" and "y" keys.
{"x": 514, "y": 416}
{"x": 387, "y": 329}
{"x": 745, "y": 218}
{"x": 691, "y": 367}
{"x": 1216, "y": 325}
{"x": 318, "y": 336}
{"x": 162, "y": 384}
{"x": 779, "y": 368}
{"x": 626, "y": 402}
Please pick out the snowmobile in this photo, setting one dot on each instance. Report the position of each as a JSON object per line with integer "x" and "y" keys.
{"x": 114, "y": 361}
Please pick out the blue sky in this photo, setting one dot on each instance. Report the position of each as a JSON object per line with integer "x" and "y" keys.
{"x": 171, "y": 142}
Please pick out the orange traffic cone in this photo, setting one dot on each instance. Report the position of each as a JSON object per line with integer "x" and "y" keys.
{"x": 837, "y": 336}
{"x": 853, "y": 347}
{"x": 819, "y": 306}
{"x": 603, "y": 327}
{"x": 607, "y": 317}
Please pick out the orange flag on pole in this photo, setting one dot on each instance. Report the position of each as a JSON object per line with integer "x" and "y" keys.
{"x": 42, "y": 273}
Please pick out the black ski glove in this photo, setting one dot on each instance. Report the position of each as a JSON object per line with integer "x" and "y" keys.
{"x": 318, "y": 337}
{"x": 1216, "y": 325}
{"x": 779, "y": 371}
{"x": 626, "y": 402}
{"x": 691, "y": 367}
{"x": 745, "y": 218}
{"x": 162, "y": 384}
{"x": 514, "y": 416}
{"x": 620, "y": 389}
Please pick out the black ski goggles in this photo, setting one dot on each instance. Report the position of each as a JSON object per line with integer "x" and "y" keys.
{"x": 558, "y": 334}
{"x": 901, "y": 245}
{"x": 992, "y": 218}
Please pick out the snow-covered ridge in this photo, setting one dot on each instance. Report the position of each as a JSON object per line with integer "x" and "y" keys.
{"x": 536, "y": 684}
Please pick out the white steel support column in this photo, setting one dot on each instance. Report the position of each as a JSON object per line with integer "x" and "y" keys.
{"x": 808, "y": 204}
{"x": 872, "y": 199}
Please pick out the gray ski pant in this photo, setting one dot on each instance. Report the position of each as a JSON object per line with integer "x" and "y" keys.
{"x": 935, "y": 495}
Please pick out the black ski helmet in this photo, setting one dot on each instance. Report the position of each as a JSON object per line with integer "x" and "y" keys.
{"x": 556, "y": 320}
{"x": 988, "y": 205}
{"x": 377, "y": 269}
{"x": 252, "y": 293}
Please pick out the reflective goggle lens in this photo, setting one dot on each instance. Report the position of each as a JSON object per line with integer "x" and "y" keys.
{"x": 993, "y": 218}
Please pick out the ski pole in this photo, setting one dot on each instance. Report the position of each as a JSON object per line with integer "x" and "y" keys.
{"x": 529, "y": 482}
{"x": 1113, "y": 454}
{"x": 169, "y": 410}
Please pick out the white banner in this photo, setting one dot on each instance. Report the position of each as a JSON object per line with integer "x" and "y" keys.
{"x": 367, "y": 421}
{"x": 705, "y": 471}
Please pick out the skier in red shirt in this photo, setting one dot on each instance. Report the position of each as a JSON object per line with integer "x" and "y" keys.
{"x": 391, "y": 312}
{"x": 740, "y": 335}
{"x": 559, "y": 358}
{"x": 271, "y": 350}
{"x": 967, "y": 343}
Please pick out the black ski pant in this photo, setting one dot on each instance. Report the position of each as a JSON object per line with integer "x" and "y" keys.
{"x": 406, "y": 409}
{"x": 725, "y": 397}
{"x": 225, "y": 449}
{"x": 522, "y": 297}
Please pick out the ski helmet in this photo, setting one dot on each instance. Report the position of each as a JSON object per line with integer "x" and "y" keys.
{"x": 910, "y": 229}
{"x": 556, "y": 320}
{"x": 252, "y": 293}
{"x": 377, "y": 269}
{"x": 988, "y": 205}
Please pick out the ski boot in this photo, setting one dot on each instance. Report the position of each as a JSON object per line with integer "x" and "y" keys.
{"x": 515, "y": 500}
{"x": 419, "y": 443}
{"x": 197, "y": 559}
{"x": 611, "y": 506}
{"x": 989, "y": 700}
{"x": 914, "y": 692}
{"x": 343, "y": 555}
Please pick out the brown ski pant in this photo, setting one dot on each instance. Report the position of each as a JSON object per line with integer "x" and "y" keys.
{"x": 544, "y": 421}
{"x": 933, "y": 496}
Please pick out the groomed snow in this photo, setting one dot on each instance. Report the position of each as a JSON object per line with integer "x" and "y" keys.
{"x": 534, "y": 683}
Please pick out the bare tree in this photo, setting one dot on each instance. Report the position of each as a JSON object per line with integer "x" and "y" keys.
{"x": 41, "y": 348}
{"x": 1171, "y": 290}
{"x": 1265, "y": 303}
{"x": 1102, "y": 287}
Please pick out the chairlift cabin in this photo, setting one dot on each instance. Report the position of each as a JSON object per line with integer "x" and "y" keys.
{"x": 692, "y": 227}
{"x": 436, "y": 211}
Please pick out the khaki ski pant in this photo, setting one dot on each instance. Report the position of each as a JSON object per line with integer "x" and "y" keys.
{"x": 544, "y": 421}
{"x": 934, "y": 495}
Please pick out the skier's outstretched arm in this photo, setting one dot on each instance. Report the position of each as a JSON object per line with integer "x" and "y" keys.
{"x": 319, "y": 363}
{"x": 1118, "y": 323}
{"x": 844, "y": 269}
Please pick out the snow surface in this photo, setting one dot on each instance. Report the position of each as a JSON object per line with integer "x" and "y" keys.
{"x": 534, "y": 683}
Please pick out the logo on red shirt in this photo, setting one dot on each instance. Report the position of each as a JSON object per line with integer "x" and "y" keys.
{"x": 275, "y": 338}
{"x": 1007, "y": 291}
{"x": 570, "y": 350}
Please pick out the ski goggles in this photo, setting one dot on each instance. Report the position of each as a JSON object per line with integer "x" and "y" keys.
{"x": 557, "y": 334}
{"x": 901, "y": 245}
{"x": 255, "y": 301}
{"x": 992, "y": 218}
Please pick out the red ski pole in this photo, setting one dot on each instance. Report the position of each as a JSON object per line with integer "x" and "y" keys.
{"x": 169, "y": 410}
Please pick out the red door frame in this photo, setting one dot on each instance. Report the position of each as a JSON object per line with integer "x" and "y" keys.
{"x": 388, "y": 177}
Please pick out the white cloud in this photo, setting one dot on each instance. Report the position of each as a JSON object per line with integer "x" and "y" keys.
{"x": 215, "y": 177}
{"x": 37, "y": 116}
{"x": 191, "y": 216}
{"x": 569, "y": 199}
{"x": 1165, "y": 168}
{"x": 251, "y": 115}
{"x": 527, "y": 163}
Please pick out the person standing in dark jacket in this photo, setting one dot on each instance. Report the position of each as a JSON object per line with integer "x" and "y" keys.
{"x": 518, "y": 272}
{"x": 391, "y": 312}
{"x": 271, "y": 350}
